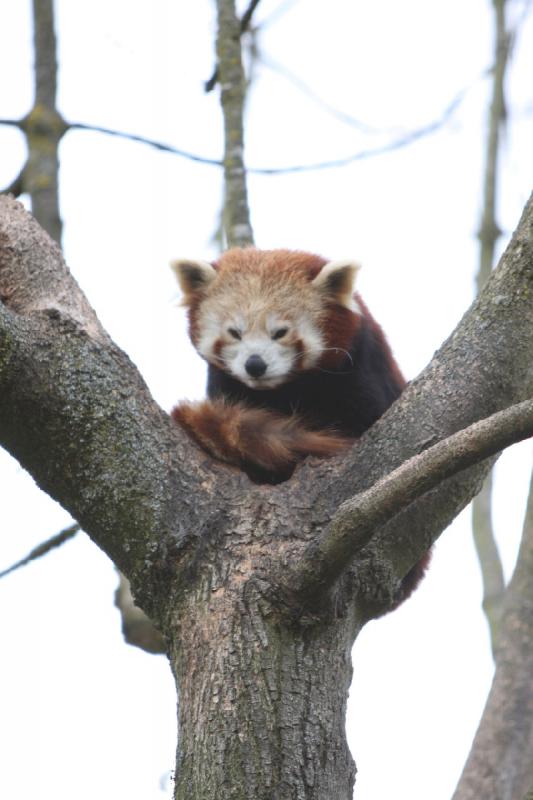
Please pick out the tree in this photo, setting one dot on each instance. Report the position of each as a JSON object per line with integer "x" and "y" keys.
{"x": 259, "y": 609}
{"x": 242, "y": 593}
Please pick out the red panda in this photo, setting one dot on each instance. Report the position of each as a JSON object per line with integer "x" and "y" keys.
{"x": 297, "y": 365}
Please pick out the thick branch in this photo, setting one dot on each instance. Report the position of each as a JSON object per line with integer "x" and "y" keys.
{"x": 484, "y": 367}
{"x": 75, "y": 413}
{"x": 359, "y": 517}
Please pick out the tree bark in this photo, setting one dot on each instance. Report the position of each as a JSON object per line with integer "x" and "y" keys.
{"x": 262, "y": 701}
{"x": 500, "y": 766}
{"x": 262, "y": 676}
{"x": 233, "y": 91}
{"x": 44, "y": 126}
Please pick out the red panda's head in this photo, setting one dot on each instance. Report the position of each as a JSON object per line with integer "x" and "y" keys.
{"x": 263, "y": 316}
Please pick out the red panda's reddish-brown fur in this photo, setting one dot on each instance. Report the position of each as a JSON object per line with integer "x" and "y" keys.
{"x": 263, "y": 443}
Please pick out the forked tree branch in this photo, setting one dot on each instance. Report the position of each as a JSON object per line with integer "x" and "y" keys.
{"x": 80, "y": 413}
{"x": 358, "y": 518}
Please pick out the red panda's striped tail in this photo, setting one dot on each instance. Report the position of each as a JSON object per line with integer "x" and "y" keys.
{"x": 265, "y": 444}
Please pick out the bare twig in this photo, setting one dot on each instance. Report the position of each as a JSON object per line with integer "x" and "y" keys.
{"x": 404, "y": 139}
{"x": 352, "y": 121}
{"x": 166, "y": 148}
{"x": 278, "y": 12}
{"x": 489, "y": 558}
{"x": 358, "y": 518}
{"x": 42, "y": 549}
{"x": 306, "y": 90}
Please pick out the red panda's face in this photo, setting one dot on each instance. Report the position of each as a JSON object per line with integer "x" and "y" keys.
{"x": 261, "y": 315}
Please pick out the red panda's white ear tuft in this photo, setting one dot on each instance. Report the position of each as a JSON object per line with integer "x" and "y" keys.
{"x": 193, "y": 277}
{"x": 336, "y": 279}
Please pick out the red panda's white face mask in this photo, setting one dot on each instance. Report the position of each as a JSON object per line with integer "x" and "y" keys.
{"x": 262, "y": 326}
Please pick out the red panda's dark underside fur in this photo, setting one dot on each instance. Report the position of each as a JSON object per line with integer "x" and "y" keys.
{"x": 318, "y": 411}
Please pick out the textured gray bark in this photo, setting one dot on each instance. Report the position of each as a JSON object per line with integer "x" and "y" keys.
{"x": 500, "y": 765}
{"x": 262, "y": 680}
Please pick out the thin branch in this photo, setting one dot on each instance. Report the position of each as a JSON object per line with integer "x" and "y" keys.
{"x": 278, "y": 12}
{"x": 42, "y": 549}
{"x": 489, "y": 558}
{"x": 166, "y": 148}
{"x": 245, "y": 24}
{"x": 358, "y": 518}
{"x": 236, "y": 212}
{"x": 306, "y": 90}
{"x": 489, "y": 231}
{"x": 403, "y": 140}
{"x": 348, "y": 119}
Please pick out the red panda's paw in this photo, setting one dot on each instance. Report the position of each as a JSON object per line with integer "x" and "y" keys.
{"x": 265, "y": 444}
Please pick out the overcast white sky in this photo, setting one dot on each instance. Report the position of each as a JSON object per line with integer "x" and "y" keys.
{"x": 81, "y": 713}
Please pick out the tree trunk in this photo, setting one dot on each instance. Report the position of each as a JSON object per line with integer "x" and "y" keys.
{"x": 500, "y": 764}
{"x": 262, "y": 700}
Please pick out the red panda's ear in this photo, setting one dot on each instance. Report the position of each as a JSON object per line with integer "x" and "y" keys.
{"x": 336, "y": 279}
{"x": 193, "y": 277}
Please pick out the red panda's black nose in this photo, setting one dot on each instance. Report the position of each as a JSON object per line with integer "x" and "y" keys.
{"x": 255, "y": 366}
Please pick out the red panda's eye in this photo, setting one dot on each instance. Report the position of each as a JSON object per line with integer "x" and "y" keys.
{"x": 235, "y": 333}
{"x": 280, "y": 333}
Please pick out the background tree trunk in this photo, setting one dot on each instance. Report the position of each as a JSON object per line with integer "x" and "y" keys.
{"x": 500, "y": 766}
